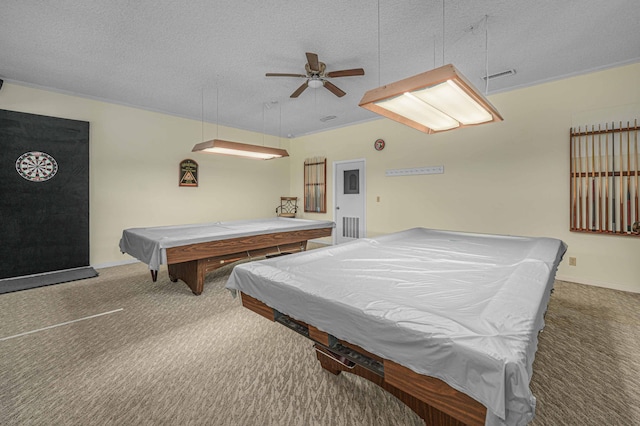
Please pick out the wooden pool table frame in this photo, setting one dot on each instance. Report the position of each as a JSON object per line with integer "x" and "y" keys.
{"x": 436, "y": 402}
{"x": 191, "y": 262}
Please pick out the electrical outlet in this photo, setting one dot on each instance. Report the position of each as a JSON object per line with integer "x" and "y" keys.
{"x": 572, "y": 261}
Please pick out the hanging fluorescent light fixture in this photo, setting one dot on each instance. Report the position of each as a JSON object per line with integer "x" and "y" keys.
{"x": 237, "y": 149}
{"x": 435, "y": 101}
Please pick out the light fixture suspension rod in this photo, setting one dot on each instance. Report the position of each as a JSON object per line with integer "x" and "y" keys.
{"x": 202, "y": 114}
{"x": 486, "y": 54}
{"x": 379, "y": 43}
{"x": 443, "y": 32}
{"x": 280, "y": 125}
{"x": 434, "y": 51}
{"x": 217, "y": 111}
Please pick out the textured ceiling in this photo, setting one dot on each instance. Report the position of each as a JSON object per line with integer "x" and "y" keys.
{"x": 208, "y": 58}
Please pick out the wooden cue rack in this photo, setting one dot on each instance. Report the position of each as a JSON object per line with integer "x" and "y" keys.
{"x": 315, "y": 185}
{"x": 604, "y": 179}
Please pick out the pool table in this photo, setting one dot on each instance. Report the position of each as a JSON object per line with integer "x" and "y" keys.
{"x": 446, "y": 321}
{"x": 190, "y": 251}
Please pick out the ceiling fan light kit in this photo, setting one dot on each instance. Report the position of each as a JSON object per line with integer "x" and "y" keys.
{"x": 435, "y": 101}
{"x": 237, "y": 149}
{"x": 315, "y": 83}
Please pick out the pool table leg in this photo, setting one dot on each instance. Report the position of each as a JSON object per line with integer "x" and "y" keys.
{"x": 192, "y": 273}
{"x": 154, "y": 275}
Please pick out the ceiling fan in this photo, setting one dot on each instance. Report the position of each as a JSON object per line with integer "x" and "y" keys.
{"x": 317, "y": 76}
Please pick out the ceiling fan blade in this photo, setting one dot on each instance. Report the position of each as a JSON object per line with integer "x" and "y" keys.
{"x": 277, "y": 74}
{"x": 299, "y": 90}
{"x": 312, "y": 60}
{"x": 334, "y": 89}
{"x": 345, "y": 73}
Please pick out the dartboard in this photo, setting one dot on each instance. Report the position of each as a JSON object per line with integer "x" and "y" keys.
{"x": 36, "y": 166}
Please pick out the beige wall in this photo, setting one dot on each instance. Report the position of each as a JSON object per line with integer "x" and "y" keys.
{"x": 134, "y": 160}
{"x": 505, "y": 178}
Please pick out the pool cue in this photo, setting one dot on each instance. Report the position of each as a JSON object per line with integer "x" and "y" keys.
{"x": 587, "y": 205}
{"x": 606, "y": 181}
{"x": 580, "y": 178}
{"x": 628, "y": 179}
{"x": 307, "y": 192}
{"x": 621, "y": 186}
{"x": 593, "y": 180}
{"x": 636, "y": 140}
{"x": 613, "y": 175}
{"x": 574, "y": 178}
{"x": 319, "y": 193}
{"x": 599, "y": 179}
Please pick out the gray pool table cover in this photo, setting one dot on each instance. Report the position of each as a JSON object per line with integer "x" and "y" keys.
{"x": 149, "y": 244}
{"x": 465, "y": 308}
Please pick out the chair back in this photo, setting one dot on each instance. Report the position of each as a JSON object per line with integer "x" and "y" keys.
{"x": 288, "y": 207}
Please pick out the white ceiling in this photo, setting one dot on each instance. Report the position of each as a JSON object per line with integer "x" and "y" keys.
{"x": 208, "y": 58}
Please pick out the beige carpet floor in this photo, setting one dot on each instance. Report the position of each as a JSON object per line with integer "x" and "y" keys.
{"x": 133, "y": 352}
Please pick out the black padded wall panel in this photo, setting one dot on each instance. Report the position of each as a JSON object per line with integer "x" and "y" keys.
{"x": 44, "y": 194}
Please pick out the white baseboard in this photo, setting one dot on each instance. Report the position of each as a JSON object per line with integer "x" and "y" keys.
{"x": 118, "y": 263}
{"x": 322, "y": 242}
{"x": 597, "y": 283}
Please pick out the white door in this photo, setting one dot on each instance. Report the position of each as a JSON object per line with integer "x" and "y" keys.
{"x": 349, "y": 200}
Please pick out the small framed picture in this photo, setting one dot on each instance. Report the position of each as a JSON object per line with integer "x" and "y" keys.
{"x": 188, "y": 173}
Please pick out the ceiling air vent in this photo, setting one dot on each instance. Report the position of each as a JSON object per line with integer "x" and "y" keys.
{"x": 500, "y": 74}
{"x": 327, "y": 118}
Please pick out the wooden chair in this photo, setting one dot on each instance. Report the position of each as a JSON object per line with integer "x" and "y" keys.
{"x": 288, "y": 207}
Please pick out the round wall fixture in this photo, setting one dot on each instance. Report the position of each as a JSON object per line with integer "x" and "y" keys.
{"x": 379, "y": 144}
{"x": 36, "y": 166}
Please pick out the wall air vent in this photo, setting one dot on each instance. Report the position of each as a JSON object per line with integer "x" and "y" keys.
{"x": 500, "y": 74}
